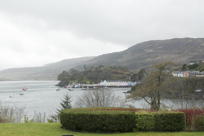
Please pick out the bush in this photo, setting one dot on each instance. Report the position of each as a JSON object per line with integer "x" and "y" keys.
{"x": 11, "y": 114}
{"x": 169, "y": 121}
{"x": 145, "y": 121}
{"x": 199, "y": 123}
{"x": 160, "y": 121}
{"x": 97, "y": 121}
{"x": 190, "y": 115}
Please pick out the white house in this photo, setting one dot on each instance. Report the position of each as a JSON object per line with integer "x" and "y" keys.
{"x": 117, "y": 83}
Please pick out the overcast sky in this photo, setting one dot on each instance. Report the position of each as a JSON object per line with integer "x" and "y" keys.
{"x": 37, "y": 32}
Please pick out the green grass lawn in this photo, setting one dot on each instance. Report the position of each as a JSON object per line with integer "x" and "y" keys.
{"x": 36, "y": 129}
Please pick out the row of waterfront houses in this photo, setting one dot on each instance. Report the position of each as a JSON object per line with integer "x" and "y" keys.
{"x": 117, "y": 83}
{"x": 188, "y": 74}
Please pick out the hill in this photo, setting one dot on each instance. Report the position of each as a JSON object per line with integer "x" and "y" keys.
{"x": 47, "y": 72}
{"x": 179, "y": 50}
{"x": 141, "y": 55}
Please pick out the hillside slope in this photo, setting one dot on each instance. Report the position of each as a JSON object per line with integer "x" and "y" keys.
{"x": 179, "y": 50}
{"x": 47, "y": 72}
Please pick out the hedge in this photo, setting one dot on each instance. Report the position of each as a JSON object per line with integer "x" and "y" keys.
{"x": 160, "y": 121}
{"x": 109, "y": 109}
{"x": 170, "y": 121}
{"x": 108, "y": 120}
{"x": 98, "y": 121}
{"x": 145, "y": 121}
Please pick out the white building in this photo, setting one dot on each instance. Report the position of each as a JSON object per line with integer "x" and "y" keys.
{"x": 117, "y": 83}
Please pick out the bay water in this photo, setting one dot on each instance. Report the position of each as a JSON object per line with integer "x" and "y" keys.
{"x": 40, "y": 96}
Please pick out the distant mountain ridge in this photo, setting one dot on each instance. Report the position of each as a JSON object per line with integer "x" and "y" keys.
{"x": 47, "y": 72}
{"x": 141, "y": 55}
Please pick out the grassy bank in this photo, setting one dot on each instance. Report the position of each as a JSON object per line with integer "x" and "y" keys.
{"x": 34, "y": 129}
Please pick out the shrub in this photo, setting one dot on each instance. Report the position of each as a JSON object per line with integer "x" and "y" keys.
{"x": 199, "y": 123}
{"x": 190, "y": 115}
{"x": 145, "y": 121}
{"x": 169, "y": 121}
{"x": 97, "y": 121}
{"x": 11, "y": 114}
{"x": 160, "y": 121}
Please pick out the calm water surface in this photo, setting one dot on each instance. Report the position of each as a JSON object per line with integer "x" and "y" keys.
{"x": 41, "y": 96}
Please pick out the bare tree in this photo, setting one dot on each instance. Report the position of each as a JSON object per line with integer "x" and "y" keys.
{"x": 188, "y": 91}
{"x": 11, "y": 114}
{"x": 153, "y": 85}
{"x": 99, "y": 98}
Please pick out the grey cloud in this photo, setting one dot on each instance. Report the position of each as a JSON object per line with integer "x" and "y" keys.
{"x": 118, "y": 21}
{"x": 59, "y": 29}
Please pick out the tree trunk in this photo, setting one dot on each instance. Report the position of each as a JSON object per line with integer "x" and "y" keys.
{"x": 155, "y": 103}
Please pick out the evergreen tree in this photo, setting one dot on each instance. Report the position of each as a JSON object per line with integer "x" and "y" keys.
{"x": 66, "y": 103}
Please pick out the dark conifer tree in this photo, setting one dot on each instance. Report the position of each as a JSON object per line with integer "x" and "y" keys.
{"x": 66, "y": 103}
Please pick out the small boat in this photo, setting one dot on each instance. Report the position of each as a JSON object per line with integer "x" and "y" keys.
{"x": 57, "y": 89}
{"x": 70, "y": 89}
{"x": 24, "y": 89}
{"x": 84, "y": 89}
